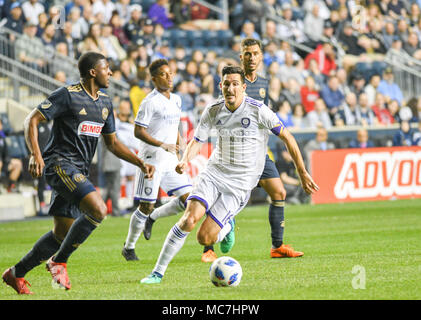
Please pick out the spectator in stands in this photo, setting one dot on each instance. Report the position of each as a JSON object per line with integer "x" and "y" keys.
{"x": 412, "y": 46}
{"x": 291, "y": 92}
{"x": 349, "y": 112}
{"x": 270, "y": 33}
{"x": 116, "y": 23}
{"x": 123, "y": 11}
{"x": 402, "y": 30}
{"x": 111, "y": 44}
{"x": 404, "y": 136}
{"x": 388, "y": 34}
{"x": 299, "y": 116}
{"x": 160, "y": 13}
{"x": 133, "y": 28}
{"x": 284, "y": 113}
{"x": 371, "y": 88}
{"x": 65, "y": 37}
{"x": 12, "y": 167}
{"x": 309, "y": 94}
{"x": 393, "y": 107}
{"x": 294, "y": 29}
{"x": 313, "y": 26}
{"x": 358, "y": 84}
{"x": 61, "y": 48}
{"x": 362, "y": 140}
{"x": 270, "y": 54}
{"x": 29, "y": 48}
{"x": 313, "y": 71}
{"x": 93, "y": 41}
{"x": 319, "y": 117}
{"x": 60, "y": 76}
{"x": 416, "y": 138}
{"x": 48, "y": 37}
{"x": 396, "y": 9}
{"x": 271, "y": 8}
{"x": 332, "y": 96}
{"x": 368, "y": 117}
{"x": 31, "y": 9}
{"x": 389, "y": 88}
{"x": 289, "y": 70}
{"x": 320, "y": 142}
{"x": 106, "y": 7}
{"x": 187, "y": 102}
{"x": 253, "y": 11}
{"x": 381, "y": 111}
{"x": 274, "y": 91}
{"x": 414, "y": 15}
{"x": 248, "y": 30}
{"x": 191, "y": 73}
{"x": 15, "y": 19}
{"x": 80, "y": 27}
{"x": 325, "y": 58}
{"x": 207, "y": 84}
{"x": 42, "y": 23}
{"x": 182, "y": 15}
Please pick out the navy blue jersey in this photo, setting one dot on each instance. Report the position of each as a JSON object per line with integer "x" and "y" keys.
{"x": 258, "y": 89}
{"x": 78, "y": 120}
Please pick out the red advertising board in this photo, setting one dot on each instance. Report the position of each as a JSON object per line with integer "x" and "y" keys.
{"x": 347, "y": 175}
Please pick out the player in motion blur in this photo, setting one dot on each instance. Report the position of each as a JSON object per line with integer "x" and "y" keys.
{"x": 156, "y": 126}
{"x": 80, "y": 113}
{"x": 233, "y": 170}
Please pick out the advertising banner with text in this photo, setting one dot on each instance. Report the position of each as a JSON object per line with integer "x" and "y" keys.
{"x": 347, "y": 175}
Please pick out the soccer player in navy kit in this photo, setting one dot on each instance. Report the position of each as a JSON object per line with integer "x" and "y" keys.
{"x": 257, "y": 87}
{"x": 80, "y": 113}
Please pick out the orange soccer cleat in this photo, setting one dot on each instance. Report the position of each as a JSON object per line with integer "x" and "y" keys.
{"x": 285, "y": 251}
{"x": 19, "y": 284}
{"x": 59, "y": 273}
{"x": 209, "y": 256}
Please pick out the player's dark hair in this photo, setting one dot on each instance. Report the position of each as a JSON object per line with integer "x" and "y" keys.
{"x": 230, "y": 69}
{"x": 155, "y": 65}
{"x": 88, "y": 61}
{"x": 247, "y": 42}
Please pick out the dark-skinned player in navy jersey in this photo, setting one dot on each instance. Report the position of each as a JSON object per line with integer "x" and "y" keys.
{"x": 257, "y": 87}
{"x": 80, "y": 114}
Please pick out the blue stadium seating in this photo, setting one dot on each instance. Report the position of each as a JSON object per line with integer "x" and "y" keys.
{"x": 15, "y": 148}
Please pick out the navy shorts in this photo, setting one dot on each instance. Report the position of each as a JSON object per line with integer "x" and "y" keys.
{"x": 69, "y": 186}
{"x": 270, "y": 170}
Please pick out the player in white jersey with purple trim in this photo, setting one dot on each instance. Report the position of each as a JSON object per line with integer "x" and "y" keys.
{"x": 156, "y": 125}
{"x": 233, "y": 170}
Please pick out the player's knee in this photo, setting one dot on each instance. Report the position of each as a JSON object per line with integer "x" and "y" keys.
{"x": 279, "y": 194}
{"x": 146, "y": 208}
{"x": 188, "y": 222}
{"x": 100, "y": 211}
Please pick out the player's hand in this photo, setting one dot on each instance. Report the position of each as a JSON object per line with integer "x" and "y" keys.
{"x": 181, "y": 167}
{"x": 36, "y": 166}
{"x": 147, "y": 169}
{"x": 308, "y": 184}
{"x": 171, "y": 148}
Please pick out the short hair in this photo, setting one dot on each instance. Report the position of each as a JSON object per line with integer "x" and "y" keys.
{"x": 88, "y": 61}
{"x": 230, "y": 69}
{"x": 247, "y": 42}
{"x": 155, "y": 65}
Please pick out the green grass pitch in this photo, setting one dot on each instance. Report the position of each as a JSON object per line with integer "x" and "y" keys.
{"x": 357, "y": 251}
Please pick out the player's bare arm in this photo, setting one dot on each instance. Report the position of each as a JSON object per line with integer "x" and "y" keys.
{"x": 122, "y": 152}
{"x": 36, "y": 162}
{"x": 307, "y": 182}
{"x": 142, "y": 134}
{"x": 192, "y": 150}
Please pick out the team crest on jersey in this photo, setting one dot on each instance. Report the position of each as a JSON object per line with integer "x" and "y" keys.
{"x": 148, "y": 191}
{"x": 46, "y": 104}
{"x": 104, "y": 113}
{"x": 79, "y": 178}
{"x": 262, "y": 92}
{"x": 245, "y": 122}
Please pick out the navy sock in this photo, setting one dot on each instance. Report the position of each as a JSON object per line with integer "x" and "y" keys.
{"x": 277, "y": 222}
{"x": 42, "y": 250}
{"x": 207, "y": 248}
{"x": 78, "y": 233}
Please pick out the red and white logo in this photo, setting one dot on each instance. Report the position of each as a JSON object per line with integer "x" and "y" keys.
{"x": 88, "y": 128}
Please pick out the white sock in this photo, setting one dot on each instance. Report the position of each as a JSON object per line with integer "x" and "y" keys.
{"x": 137, "y": 223}
{"x": 169, "y": 209}
{"x": 224, "y": 231}
{"x": 173, "y": 243}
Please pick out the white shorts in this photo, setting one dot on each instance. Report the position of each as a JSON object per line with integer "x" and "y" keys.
{"x": 146, "y": 190}
{"x": 127, "y": 169}
{"x": 221, "y": 203}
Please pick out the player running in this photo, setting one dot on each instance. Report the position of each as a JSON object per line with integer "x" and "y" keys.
{"x": 80, "y": 113}
{"x": 156, "y": 126}
{"x": 233, "y": 170}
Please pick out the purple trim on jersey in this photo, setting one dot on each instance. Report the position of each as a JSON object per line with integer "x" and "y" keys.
{"x": 199, "y": 199}
{"x": 144, "y": 199}
{"x": 141, "y": 124}
{"x": 253, "y": 102}
{"x": 170, "y": 193}
{"x": 209, "y": 213}
{"x": 277, "y": 130}
{"x": 198, "y": 140}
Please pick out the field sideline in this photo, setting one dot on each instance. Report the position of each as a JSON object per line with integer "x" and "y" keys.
{"x": 380, "y": 238}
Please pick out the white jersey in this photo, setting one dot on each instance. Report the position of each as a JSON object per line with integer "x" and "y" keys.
{"x": 161, "y": 117}
{"x": 240, "y": 149}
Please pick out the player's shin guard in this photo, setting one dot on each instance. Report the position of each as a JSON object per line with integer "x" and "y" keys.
{"x": 173, "y": 243}
{"x": 78, "y": 233}
{"x": 277, "y": 222}
{"x": 43, "y": 249}
{"x": 169, "y": 209}
{"x": 137, "y": 223}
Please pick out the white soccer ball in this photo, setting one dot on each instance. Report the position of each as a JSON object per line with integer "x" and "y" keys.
{"x": 225, "y": 272}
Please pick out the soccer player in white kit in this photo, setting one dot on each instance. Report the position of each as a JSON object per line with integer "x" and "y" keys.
{"x": 233, "y": 170}
{"x": 156, "y": 125}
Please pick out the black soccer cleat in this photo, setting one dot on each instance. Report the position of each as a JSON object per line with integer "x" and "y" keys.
{"x": 129, "y": 254}
{"x": 148, "y": 228}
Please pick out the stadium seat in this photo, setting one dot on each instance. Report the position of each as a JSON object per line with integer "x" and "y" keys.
{"x": 211, "y": 38}
{"x": 195, "y": 38}
{"x": 224, "y": 37}
{"x": 179, "y": 37}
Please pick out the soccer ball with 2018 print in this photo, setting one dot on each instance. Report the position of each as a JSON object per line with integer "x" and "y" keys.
{"x": 225, "y": 272}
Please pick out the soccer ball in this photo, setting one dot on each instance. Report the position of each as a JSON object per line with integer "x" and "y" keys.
{"x": 225, "y": 272}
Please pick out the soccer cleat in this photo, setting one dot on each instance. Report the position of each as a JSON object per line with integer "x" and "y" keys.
{"x": 285, "y": 251}
{"x": 209, "y": 256}
{"x": 228, "y": 242}
{"x": 151, "y": 279}
{"x": 129, "y": 254}
{"x": 148, "y": 228}
{"x": 59, "y": 273}
{"x": 19, "y": 284}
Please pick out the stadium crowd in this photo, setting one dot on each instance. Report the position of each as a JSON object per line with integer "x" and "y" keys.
{"x": 320, "y": 88}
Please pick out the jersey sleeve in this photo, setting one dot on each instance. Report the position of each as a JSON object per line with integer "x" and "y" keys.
{"x": 269, "y": 120}
{"x": 201, "y": 133}
{"x": 55, "y": 105}
{"x": 144, "y": 114}
{"x": 109, "y": 125}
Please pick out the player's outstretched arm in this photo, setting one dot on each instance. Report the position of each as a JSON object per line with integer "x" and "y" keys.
{"x": 307, "y": 182}
{"x": 122, "y": 152}
{"x": 36, "y": 162}
{"x": 192, "y": 150}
